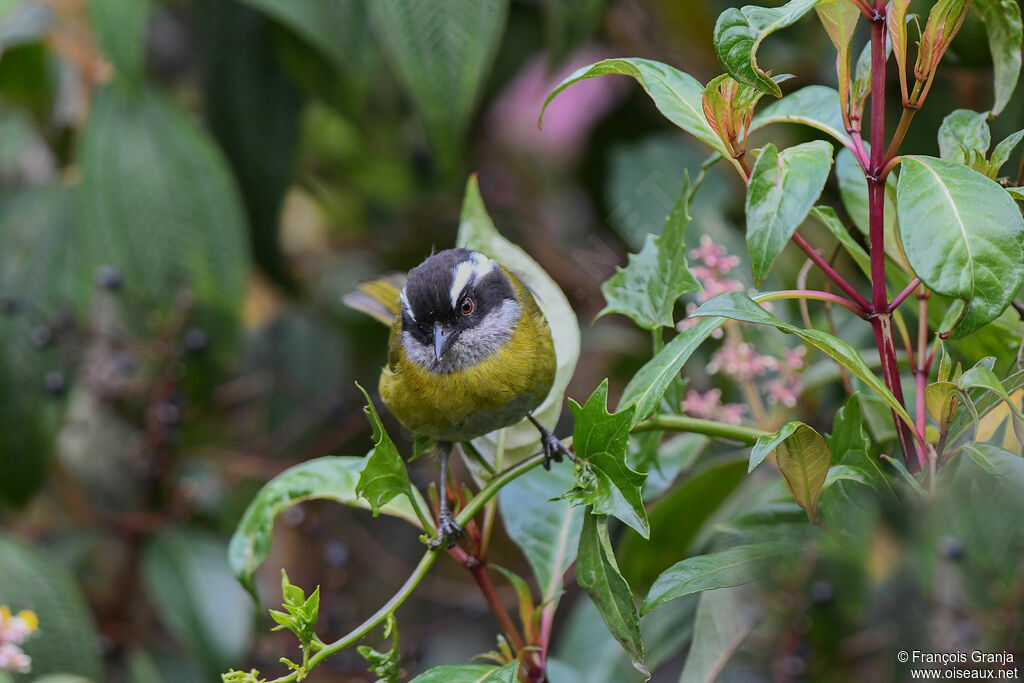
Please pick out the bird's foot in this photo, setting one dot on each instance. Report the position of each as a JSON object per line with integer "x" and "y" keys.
{"x": 448, "y": 531}
{"x": 554, "y": 449}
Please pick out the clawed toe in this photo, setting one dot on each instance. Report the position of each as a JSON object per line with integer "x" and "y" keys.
{"x": 449, "y": 532}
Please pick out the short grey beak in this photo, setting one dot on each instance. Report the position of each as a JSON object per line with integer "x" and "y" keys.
{"x": 443, "y": 340}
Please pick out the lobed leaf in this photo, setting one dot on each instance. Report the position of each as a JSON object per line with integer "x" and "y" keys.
{"x": 604, "y": 480}
{"x": 963, "y": 236}
{"x": 384, "y": 476}
{"x": 648, "y": 288}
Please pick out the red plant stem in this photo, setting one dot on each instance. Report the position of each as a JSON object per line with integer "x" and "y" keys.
{"x": 864, "y": 8}
{"x": 904, "y": 294}
{"x": 881, "y": 320}
{"x": 921, "y": 374}
{"x": 490, "y": 593}
{"x": 831, "y": 273}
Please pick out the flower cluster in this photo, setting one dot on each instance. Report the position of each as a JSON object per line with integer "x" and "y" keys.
{"x": 15, "y": 629}
{"x": 712, "y": 268}
{"x": 709, "y": 406}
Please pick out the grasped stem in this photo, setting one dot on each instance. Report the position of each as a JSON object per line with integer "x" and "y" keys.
{"x": 683, "y": 423}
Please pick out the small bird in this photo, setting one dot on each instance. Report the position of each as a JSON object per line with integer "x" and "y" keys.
{"x": 469, "y": 352}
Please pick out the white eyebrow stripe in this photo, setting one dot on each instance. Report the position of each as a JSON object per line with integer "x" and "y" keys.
{"x": 471, "y": 270}
{"x": 405, "y": 304}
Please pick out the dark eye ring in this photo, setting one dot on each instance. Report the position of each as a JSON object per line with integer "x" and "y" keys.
{"x": 467, "y": 306}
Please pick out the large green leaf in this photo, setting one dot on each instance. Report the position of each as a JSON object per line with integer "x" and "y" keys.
{"x": 477, "y": 231}
{"x": 653, "y": 379}
{"x": 470, "y": 673}
{"x": 159, "y": 204}
{"x": 738, "y": 35}
{"x": 332, "y": 478}
{"x": 738, "y": 306}
{"x": 188, "y": 578}
{"x": 963, "y": 236}
{"x": 648, "y": 288}
{"x": 732, "y": 567}
{"x": 1005, "y": 32}
{"x": 442, "y": 52}
{"x": 547, "y": 531}
{"x": 816, "y": 106}
{"x": 254, "y": 111}
{"x": 604, "y": 480}
{"x": 783, "y": 188}
{"x": 964, "y": 131}
{"x": 598, "y": 574}
{"x": 66, "y": 642}
{"x": 120, "y": 30}
{"x": 677, "y": 95}
{"x": 803, "y": 458}
{"x": 724, "y": 619}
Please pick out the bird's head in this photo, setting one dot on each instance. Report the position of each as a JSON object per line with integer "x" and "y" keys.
{"x": 458, "y": 308}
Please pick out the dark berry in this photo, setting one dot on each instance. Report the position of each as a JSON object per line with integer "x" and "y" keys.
{"x": 952, "y": 548}
{"x": 40, "y": 336}
{"x": 55, "y": 383}
{"x": 109, "y": 278}
{"x": 822, "y": 592}
{"x": 196, "y": 340}
{"x": 168, "y": 414}
{"x": 10, "y": 305}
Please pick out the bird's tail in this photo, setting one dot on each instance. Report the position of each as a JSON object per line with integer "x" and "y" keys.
{"x": 378, "y": 298}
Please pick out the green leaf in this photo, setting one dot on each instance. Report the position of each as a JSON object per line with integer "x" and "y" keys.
{"x": 999, "y": 463}
{"x": 477, "y": 231}
{"x": 738, "y": 35}
{"x": 648, "y": 288}
{"x": 384, "y": 477}
{"x": 1003, "y": 23}
{"x": 120, "y": 30}
{"x": 653, "y": 379}
{"x": 940, "y": 399}
{"x": 803, "y": 458}
{"x": 441, "y": 52}
{"x": 838, "y": 473}
{"x": 724, "y": 619}
{"x": 781, "y": 192}
{"x": 470, "y": 673}
{"x": 848, "y": 430}
{"x": 732, "y": 567}
{"x": 187, "y": 576}
{"x": 963, "y": 236}
{"x": 604, "y": 480}
{"x": 962, "y": 132}
{"x": 816, "y": 106}
{"x": 159, "y": 203}
{"x": 547, "y": 531}
{"x": 853, "y": 189}
{"x": 332, "y": 478}
{"x": 738, "y": 306}
{"x": 598, "y": 575}
{"x": 1016, "y": 192}
{"x": 67, "y": 641}
{"x": 826, "y": 215}
{"x": 1002, "y": 152}
{"x": 677, "y": 95}
{"x": 982, "y": 377}
{"x": 254, "y": 112}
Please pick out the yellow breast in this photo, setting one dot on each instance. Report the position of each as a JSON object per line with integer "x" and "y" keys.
{"x": 496, "y": 392}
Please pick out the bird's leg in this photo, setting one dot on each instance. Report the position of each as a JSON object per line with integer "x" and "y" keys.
{"x": 448, "y": 529}
{"x": 553, "y": 448}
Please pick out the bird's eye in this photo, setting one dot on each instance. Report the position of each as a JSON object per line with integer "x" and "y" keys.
{"x": 467, "y": 306}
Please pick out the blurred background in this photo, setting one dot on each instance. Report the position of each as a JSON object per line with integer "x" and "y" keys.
{"x": 187, "y": 189}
